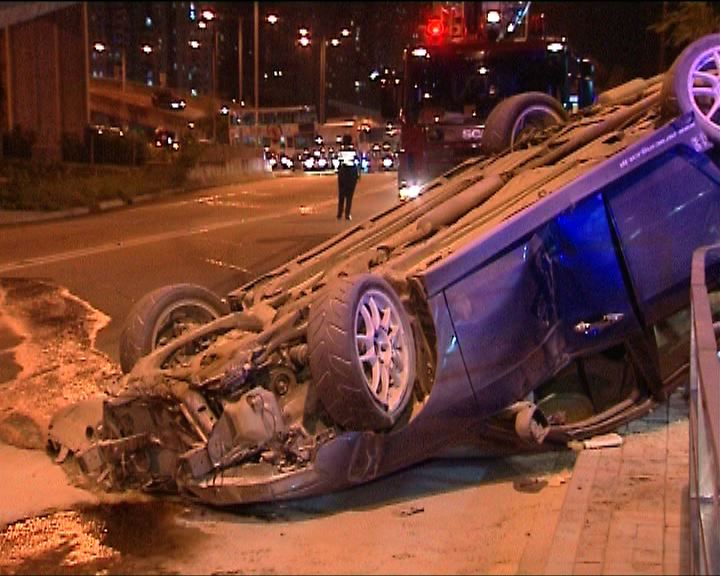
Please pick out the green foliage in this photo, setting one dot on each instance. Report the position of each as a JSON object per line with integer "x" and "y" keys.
{"x": 40, "y": 186}
{"x": 18, "y": 143}
{"x": 688, "y": 21}
{"x": 114, "y": 146}
{"x": 72, "y": 148}
{"x": 183, "y": 161}
{"x": 32, "y": 185}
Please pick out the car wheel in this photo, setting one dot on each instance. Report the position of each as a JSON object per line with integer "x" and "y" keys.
{"x": 362, "y": 353}
{"x": 693, "y": 84}
{"x": 164, "y": 314}
{"x": 516, "y": 116}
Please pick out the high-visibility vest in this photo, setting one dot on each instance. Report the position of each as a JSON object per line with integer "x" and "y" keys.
{"x": 347, "y": 157}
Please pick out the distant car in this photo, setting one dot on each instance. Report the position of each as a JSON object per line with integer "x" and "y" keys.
{"x": 166, "y": 98}
{"x": 534, "y": 297}
{"x": 316, "y": 160}
{"x": 388, "y": 158}
{"x": 166, "y": 139}
{"x": 380, "y": 158}
{"x": 286, "y": 162}
{"x": 278, "y": 162}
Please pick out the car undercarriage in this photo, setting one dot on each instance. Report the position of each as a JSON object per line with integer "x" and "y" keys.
{"x": 363, "y": 355}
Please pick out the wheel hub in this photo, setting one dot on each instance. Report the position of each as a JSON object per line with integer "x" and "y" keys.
{"x": 383, "y": 346}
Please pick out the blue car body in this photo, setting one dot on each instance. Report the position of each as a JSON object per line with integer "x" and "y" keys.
{"x": 515, "y": 289}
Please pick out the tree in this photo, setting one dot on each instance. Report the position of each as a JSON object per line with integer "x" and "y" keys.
{"x": 687, "y": 21}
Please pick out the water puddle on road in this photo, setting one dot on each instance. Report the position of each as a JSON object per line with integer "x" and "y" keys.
{"x": 125, "y": 538}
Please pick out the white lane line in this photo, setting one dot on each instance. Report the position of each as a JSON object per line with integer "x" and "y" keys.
{"x": 152, "y": 238}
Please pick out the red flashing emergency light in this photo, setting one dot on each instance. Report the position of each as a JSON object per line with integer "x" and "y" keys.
{"x": 435, "y": 28}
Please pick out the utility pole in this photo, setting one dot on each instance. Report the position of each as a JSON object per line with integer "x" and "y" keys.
{"x": 323, "y": 66}
{"x": 240, "y": 59}
{"x": 214, "y": 81}
{"x": 256, "y": 55}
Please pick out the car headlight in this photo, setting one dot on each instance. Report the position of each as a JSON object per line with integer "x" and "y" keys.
{"x": 308, "y": 163}
{"x": 387, "y": 162}
{"x": 322, "y": 162}
{"x": 410, "y": 192}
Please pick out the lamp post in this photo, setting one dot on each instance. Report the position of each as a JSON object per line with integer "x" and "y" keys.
{"x": 100, "y": 48}
{"x": 256, "y": 55}
{"x": 305, "y": 41}
{"x": 240, "y": 59}
{"x": 208, "y": 17}
{"x": 148, "y": 50}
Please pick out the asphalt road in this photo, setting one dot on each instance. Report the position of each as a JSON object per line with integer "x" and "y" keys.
{"x": 218, "y": 238}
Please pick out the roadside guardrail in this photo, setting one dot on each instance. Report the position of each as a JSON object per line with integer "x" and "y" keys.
{"x": 704, "y": 425}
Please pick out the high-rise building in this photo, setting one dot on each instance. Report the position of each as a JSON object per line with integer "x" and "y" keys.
{"x": 172, "y": 44}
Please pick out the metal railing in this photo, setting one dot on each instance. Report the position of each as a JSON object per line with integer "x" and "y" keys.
{"x": 704, "y": 430}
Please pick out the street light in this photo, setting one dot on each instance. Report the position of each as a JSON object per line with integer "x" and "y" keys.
{"x": 208, "y": 17}
{"x": 100, "y": 48}
{"x": 272, "y": 19}
{"x": 304, "y": 40}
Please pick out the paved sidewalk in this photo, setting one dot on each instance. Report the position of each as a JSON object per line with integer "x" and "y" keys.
{"x": 626, "y": 508}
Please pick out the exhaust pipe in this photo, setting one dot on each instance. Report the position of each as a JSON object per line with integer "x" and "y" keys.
{"x": 531, "y": 424}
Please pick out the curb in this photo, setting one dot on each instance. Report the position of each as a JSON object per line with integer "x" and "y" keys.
{"x": 17, "y": 217}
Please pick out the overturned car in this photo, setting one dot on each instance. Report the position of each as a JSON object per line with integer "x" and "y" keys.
{"x": 524, "y": 300}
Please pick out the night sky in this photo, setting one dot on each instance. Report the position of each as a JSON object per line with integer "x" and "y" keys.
{"x": 614, "y": 34}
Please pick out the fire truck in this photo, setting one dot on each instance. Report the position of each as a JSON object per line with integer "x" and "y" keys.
{"x": 470, "y": 58}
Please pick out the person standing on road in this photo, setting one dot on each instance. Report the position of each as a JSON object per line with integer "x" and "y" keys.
{"x": 348, "y": 175}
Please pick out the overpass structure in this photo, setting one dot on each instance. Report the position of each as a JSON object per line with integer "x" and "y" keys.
{"x": 133, "y": 106}
{"x": 45, "y": 86}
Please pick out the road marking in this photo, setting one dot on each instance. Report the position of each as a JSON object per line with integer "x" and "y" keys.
{"x": 133, "y": 243}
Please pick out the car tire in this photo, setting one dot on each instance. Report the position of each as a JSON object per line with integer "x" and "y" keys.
{"x": 684, "y": 91}
{"x": 164, "y": 314}
{"x": 517, "y": 114}
{"x": 362, "y": 353}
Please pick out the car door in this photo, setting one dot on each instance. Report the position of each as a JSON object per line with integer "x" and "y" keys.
{"x": 557, "y": 292}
